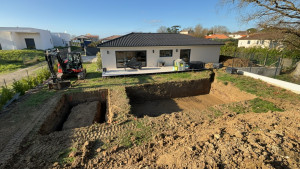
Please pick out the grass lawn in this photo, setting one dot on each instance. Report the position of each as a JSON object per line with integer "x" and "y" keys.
{"x": 257, "y": 87}
{"x": 11, "y": 60}
{"x": 94, "y": 78}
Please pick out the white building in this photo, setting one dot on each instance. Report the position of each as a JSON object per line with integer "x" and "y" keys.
{"x": 61, "y": 39}
{"x": 154, "y": 48}
{"x": 262, "y": 40}
{"x": 20, "y": 38}
{"x": 238, "y": 35}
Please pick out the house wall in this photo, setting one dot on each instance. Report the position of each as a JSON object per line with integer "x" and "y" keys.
{"x": 259, "y": 43}
{"x": 204, "y": 53}
{"x": 61, "y": 39}
{"x": 15, "y": 38}
{"x": 6, "y": 41}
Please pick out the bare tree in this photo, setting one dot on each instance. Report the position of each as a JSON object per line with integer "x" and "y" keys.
{"x": 220, "y": 29}
{"x": 279, "y": 15}
{"x": 199, "y": 31}
{"x": 162, "y": 29}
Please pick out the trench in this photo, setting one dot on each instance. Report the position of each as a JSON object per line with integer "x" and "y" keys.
{"x": 165, "y": 98}
{"x": 77, "y": 110}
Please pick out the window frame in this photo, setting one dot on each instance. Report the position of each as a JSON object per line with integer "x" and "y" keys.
{"x": 160, "y": 53}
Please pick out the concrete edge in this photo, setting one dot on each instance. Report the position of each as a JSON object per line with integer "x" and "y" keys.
{"x": 279, "y": 83}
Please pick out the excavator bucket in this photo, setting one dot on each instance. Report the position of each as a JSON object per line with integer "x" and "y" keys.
{"x": 60, "y": 85}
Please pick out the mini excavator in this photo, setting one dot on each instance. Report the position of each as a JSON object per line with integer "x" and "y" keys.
{"x": 70, "y": 66}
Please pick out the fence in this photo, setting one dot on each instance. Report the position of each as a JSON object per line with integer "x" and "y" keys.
{"x": 259, "y": 61}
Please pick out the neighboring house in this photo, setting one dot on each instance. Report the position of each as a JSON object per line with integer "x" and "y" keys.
{"x": 93, "y": 38}
{"x": 154, "y": 48}
{"x": 238, "y": 35}
{"x": 85, "y": 40}
{"x": 216, "y": 36}
{"x": 61, "y": 39}
{"x": 12, "y": 38}
{"x": 185, "y": 32}
{"x": 263, "y": 40}
{"x": 109, "y": 38}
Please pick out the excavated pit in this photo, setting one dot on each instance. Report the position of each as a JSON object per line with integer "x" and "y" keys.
{"x": 77, "y": 110}
{"x": 185, "y": 96}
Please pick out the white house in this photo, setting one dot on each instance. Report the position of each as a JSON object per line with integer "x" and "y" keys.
{"x": 263, "y": 40}
{"x": 154, "y": 48}
{"x": 61, "y": 39}
{"x": 238, "y": 35}
{"x": 20, "y": 38}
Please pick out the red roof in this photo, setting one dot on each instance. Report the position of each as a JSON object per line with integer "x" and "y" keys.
{"x": 217, "y": 36}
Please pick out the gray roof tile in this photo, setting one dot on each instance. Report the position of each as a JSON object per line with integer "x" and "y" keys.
{"x": 157, "y": 39}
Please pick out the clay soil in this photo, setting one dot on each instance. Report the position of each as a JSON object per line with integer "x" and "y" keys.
{"x": 191, "y": 132}
{"x": 81, "y": 115}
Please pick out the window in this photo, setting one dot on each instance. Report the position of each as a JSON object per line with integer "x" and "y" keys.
{"x": 0, "y": 47}
{"x": 248, "y": 42}
{"x": 165, "y": 53}
{"x": 263, "y": 41}
{"x": 123, "y": 56}
{"x": 257, "y": 42}
{"x": 30, "y": 43}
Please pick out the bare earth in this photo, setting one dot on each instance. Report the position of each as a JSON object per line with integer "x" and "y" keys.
{"x": 184, "y": 134}
{"x": 81, "y": 115}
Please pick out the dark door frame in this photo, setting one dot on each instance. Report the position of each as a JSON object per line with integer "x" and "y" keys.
{"x": 27, "y": 40}
{"x": 189, "y": 58}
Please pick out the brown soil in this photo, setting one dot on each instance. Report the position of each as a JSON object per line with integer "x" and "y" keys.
{"x": 235, "y": 62}
{"x": 82, "y": 115}
{"x": 192, "y": 137}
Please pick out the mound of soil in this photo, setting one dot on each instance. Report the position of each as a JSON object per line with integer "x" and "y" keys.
{"x": 238, "y": 62}
{"x": 82, "y": 115}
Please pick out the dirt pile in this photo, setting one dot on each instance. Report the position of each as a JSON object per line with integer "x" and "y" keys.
{"x": 82, "y": 115}
{"x": 237, "y": 62}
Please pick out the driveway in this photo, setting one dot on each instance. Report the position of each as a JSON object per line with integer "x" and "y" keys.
{"x": 89, "y": 59}
{"x": 21, "y": 73}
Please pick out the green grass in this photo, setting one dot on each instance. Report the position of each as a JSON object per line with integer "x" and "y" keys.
{"x": 256, "y": 105}
{"x": 36, "y": 99}
{"x": 94, "y": 78}
{"x": 63, "y": 156}
{"x": 11, "y": 60}
{"x": 262, "y": 106}
{"x": 137, "y": 136}
{"x": 287, "y": 78}
{"x": 258, "y": 87}
{"x": 238, "y": 108}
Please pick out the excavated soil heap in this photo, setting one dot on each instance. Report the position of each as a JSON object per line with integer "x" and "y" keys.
{"x": 82, "y": 115}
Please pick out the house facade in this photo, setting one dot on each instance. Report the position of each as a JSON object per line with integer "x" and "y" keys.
{"x": 12, "y": 38}
{"x": 263, "y": 40}
{"x": 61, "y": 39}
{"x": 152, "y": 49}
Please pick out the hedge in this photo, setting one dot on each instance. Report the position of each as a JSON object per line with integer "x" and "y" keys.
{"x": 23, "y": 85}
{"x": 260, "y": 54}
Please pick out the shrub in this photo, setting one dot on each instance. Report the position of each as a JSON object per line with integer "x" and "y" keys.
{"x": 5, "y": 95}
{"x": 19, "y": 87}
{"x": 99, "y": 60}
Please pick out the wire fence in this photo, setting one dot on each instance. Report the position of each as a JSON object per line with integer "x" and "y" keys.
{"x": 262, "y": 63}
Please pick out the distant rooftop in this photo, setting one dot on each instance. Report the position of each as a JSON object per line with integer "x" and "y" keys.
{"x": 262, "y": 36}
{"x": 157, "y": 39}
{"x": 217, "y": 36}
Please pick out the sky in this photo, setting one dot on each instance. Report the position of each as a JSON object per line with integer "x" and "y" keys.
{"x": 117, "y": 17}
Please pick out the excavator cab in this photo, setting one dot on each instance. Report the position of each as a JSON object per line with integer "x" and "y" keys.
{"x": 69, "y": 66}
